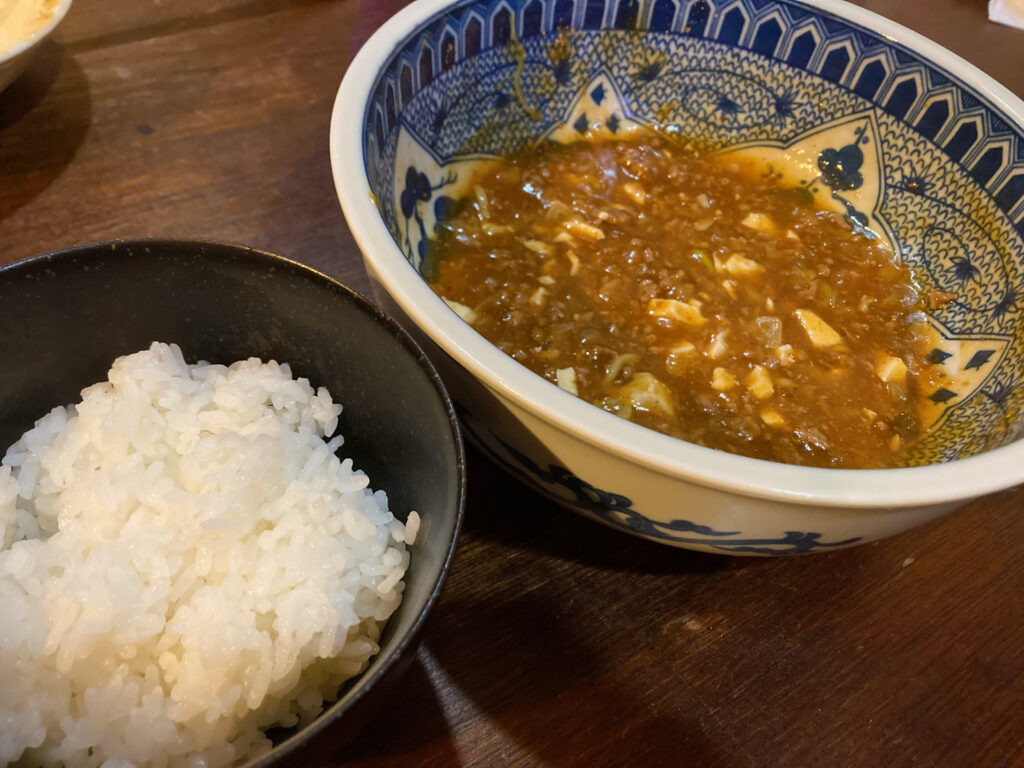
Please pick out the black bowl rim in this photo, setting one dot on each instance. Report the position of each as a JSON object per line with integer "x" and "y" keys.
{"x": 241, "y": 252}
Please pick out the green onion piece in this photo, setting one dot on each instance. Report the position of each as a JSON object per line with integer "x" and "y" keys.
{"x": 704, "y": 259}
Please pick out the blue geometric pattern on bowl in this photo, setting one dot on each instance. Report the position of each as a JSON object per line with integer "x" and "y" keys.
{"x": 616, "y": 510}
{"x": 903, "y": 146}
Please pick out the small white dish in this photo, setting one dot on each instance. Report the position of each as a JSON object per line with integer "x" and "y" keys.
{"x": 37, "y": 20}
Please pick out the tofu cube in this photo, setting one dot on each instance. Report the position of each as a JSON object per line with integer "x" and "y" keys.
{"x": 891, "y": 368}
{"x": 818, "y": 331}
{"x": 761, "y": 222}
{"x": 717, "y": 348}
{"x": 759, "y": 383}
{"x": 785, "y": 354}
{"x": 722, "y": 380}
{"x": 739, "y": 265}
{"x": 687, "y": 313}
{"x": 566, "y": 378}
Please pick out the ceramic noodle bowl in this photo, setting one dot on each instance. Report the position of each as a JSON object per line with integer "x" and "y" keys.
{"x": 881, "y": 125}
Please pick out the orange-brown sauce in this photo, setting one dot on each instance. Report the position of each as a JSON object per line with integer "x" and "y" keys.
{"x": 689, "y": 295}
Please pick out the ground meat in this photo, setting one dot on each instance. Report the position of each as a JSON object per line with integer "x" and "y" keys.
{"x": 750, "y": 320}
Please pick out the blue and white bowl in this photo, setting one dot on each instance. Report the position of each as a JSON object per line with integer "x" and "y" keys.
{"x": 881, "y": 123}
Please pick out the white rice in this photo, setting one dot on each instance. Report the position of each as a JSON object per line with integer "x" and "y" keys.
{"x": 184, "y": 562}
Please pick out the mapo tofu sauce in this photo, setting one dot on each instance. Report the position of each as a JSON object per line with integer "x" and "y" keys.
{"x": 692, "y": 296}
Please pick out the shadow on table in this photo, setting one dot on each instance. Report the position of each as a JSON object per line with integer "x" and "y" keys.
{"x": 526, "y": 689}
{"x": 499, "y": 508}
{"x": 44, "y": 118}
{"x": 410, "y": 729}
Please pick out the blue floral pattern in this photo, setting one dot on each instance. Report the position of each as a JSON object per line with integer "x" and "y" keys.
{"x": 616, "y": 510}
{"x": 417, "y": 190}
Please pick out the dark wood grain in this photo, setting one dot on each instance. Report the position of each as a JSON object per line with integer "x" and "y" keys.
{"x": 557, "y": 642}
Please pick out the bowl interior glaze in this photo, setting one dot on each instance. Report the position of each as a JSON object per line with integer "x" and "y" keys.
{"x": 889, "y": 129}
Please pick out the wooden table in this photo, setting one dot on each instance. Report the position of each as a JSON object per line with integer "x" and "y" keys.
{"x": 557, "y": 642}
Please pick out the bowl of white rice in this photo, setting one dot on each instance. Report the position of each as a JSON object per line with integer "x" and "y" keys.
{"x": 230, "y": 492}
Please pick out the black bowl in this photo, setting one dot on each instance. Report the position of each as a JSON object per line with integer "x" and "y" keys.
{"x": 67, "y": 314}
